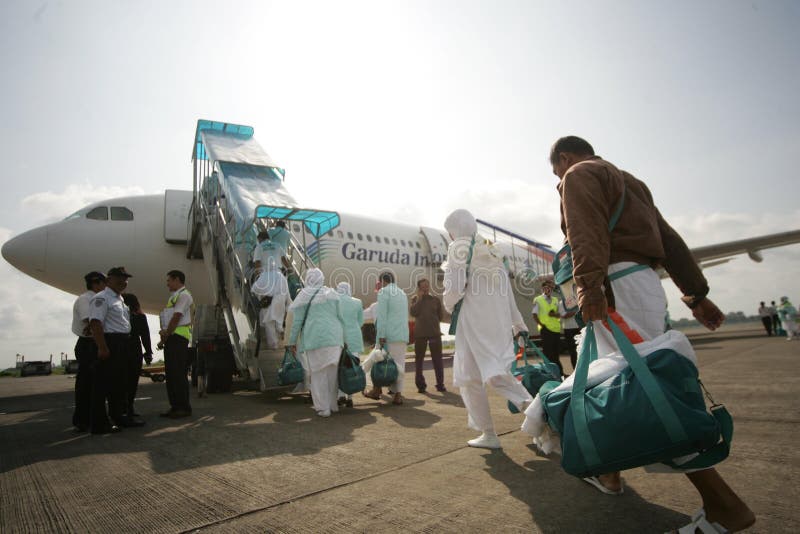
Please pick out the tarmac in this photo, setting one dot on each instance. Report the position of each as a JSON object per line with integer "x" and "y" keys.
{"x": 261, "y": 462}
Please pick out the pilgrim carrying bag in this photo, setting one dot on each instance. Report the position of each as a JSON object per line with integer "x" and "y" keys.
{"x": 652, "y": 411}
{"x": 351, "y": 376}
{"x": 384, "y": 373}
{"x": 533, "y": 376}
{"x": 562, "y": 267}
{"x": 291, "y": 371}
{"x": 457, "y": 307}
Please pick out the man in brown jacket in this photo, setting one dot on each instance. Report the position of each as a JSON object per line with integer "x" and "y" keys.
{"x": 427, "y": 311}
{"x": 591, "y": 190}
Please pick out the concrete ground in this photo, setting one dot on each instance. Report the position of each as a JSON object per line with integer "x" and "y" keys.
{"x": 253, "y": 462}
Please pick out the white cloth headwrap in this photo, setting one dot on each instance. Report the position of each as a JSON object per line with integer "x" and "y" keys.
{"x": 461, "y": 223}
{"x": 314, "y": 281}
{"x": 343, "y": 288}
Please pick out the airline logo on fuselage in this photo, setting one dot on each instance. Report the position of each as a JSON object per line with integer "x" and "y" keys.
{"x": 350, "y": 251}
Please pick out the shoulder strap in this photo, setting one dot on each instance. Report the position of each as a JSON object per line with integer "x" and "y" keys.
{"x": 308, "y": 309}
{"x": 617, "y": 212}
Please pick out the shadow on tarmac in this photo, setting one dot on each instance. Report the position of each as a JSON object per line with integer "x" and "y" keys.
{"x": 560, "y": 503}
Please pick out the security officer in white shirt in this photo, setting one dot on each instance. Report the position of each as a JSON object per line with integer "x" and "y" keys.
{"x": 109, "y": 321}
{"x": 85, "y": 349}
{"x": 176, "y": 333}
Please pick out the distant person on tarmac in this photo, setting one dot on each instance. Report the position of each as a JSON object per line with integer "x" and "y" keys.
{"x": 766, "y": 318}
{"x": 488, "y": 319}
{"x": 788, "y": 315}
{"x": 776, "y": 320}
{"x": 85, "y": 350}
{"x": 545, "y": 313}
{"x": 140, "y": 337}
{"x": 591, "y": 191}
{"x": 428, "y": 311}
{"x": 175, "y": 334}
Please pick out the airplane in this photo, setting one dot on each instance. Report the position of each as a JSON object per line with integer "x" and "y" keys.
{"x": 153, "y": 234}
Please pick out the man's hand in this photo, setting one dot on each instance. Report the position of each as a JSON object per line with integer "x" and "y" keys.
{"x": 148, "y": 358}
{"x": 595, "y": 311}
{"x": 707, "y": 313}
{"x": 103, "y": 353}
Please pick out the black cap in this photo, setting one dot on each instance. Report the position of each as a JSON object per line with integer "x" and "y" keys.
{"x": 118, "y": 271}
{"x": 94, "y": 276}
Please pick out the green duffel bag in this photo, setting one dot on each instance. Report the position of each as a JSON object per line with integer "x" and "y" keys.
{"x": 351, "y": 376}
{"x": 533, "y": 375}
{"x": 291, "y": 371}
{"x": 653, "y": 411}
{"x": 384, "y": 373}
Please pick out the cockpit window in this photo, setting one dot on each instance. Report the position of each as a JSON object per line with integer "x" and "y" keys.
{"x": 100, "y": 213}
{"x": 120, "y": 213}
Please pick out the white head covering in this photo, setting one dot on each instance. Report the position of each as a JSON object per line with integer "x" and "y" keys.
{"x": 314, "y": 288}
{"x": 314, "y": 278}
{"x": 343, "y": 288}
{"x": 461, "y": 223}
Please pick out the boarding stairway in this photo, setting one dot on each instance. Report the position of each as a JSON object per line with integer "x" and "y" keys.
{"x": 237, "y": 192}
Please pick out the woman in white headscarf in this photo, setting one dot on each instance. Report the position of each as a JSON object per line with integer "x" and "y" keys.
{"x": 319, "y": 325}
{"x": 487, "y": 323}
{"x": 353, "y": 314}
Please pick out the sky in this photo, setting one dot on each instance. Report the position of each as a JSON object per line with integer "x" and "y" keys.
{"x": 406, "y": 111}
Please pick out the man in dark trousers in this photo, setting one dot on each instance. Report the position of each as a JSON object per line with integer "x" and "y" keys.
{"x": 109, "y": 321}
{"x": 176, "y": 333}
{"x": 591, "y": 191}
{"x": 427, "y": 311}
{"x": 85, "y": 349}
{"x": 545, "y": 313}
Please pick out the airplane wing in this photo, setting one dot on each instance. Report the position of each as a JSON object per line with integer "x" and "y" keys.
{"x": 710, "y": 255}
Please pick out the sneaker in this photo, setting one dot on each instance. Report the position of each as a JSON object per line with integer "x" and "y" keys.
{"x": 324, "y": 413}
{"x": 487, "y": 440}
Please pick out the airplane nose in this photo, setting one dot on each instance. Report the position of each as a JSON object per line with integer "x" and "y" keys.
{"x": 27, "y": 251}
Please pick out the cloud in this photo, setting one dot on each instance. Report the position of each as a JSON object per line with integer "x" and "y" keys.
{"x": 49, "y": 206}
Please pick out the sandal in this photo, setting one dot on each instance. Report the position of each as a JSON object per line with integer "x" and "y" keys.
{"x": 701, "y": 524}
{"x": 372, "y": 394}
{"x": 594, "y": 481}
{"x": 398, "y": 399}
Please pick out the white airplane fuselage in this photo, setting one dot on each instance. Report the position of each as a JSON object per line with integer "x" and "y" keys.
{"x": 357, "y": 251}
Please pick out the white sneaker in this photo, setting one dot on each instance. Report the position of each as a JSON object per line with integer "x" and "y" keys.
{"x": 324, "y": 413}
{"x": 487, "y": 440}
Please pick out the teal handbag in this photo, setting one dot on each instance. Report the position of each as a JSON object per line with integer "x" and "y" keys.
{"x": 384, "y": 373}
{"x": 351, "y": 376}
{"x": 533, "y": 376}
{"x": 290, "y": 372}
{"x": 652, "y": 411}
{"x": 457, "y": 307}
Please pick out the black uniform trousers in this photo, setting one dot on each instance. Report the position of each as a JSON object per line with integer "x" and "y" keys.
{"x": 86, "y": 354}
{"x": 133, "y": 369}
{"x": 767, "y": 324}
{"x": 572, "y": 349}
{"x": 108, "y": 383}
{"x": 176, "y": 363}
{"x": 550, "y": 346}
